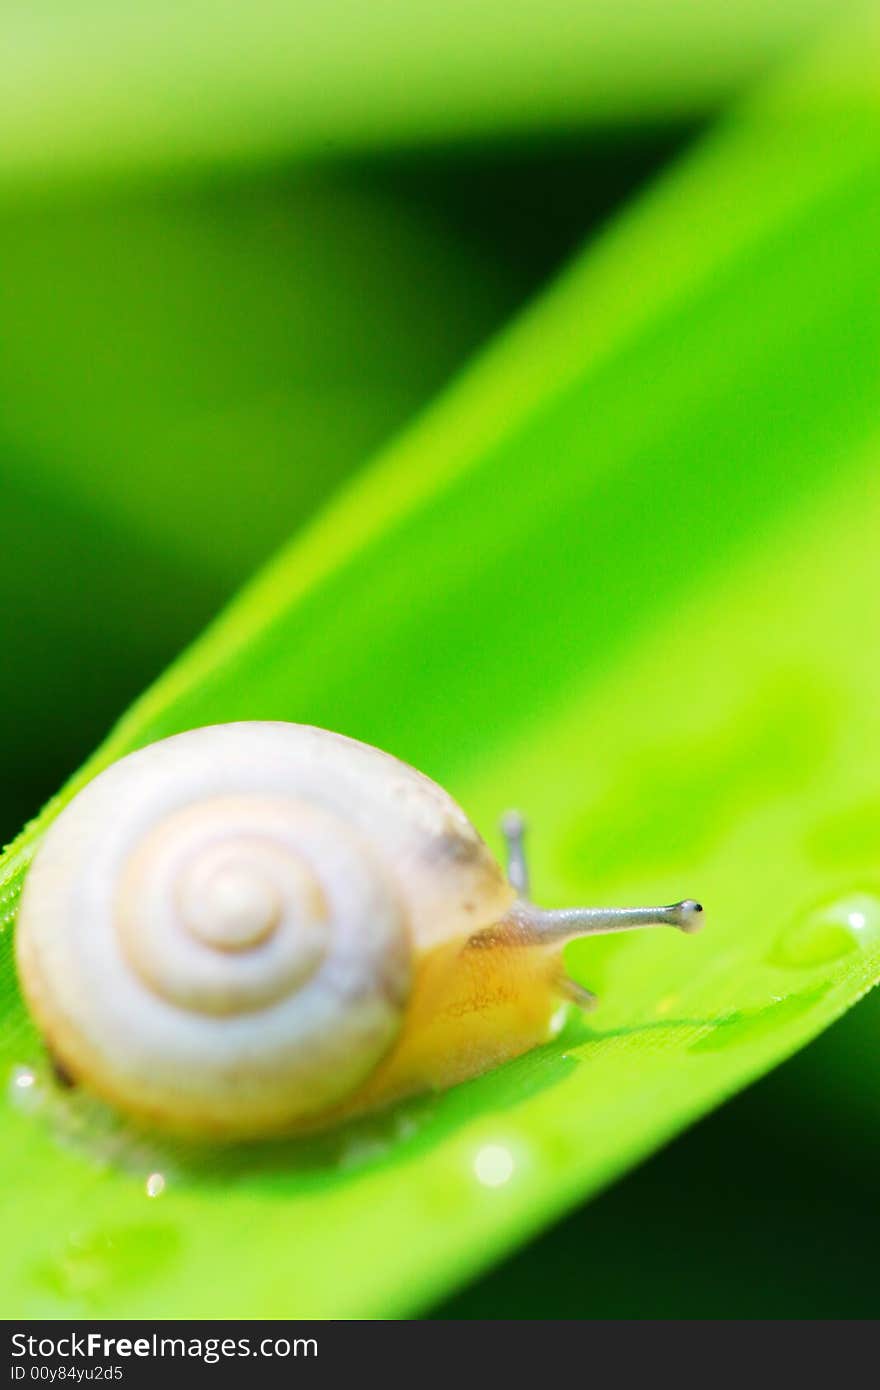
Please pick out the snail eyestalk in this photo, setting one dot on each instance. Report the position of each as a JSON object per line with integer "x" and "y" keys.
{"x": 526, "y": 925}
{"x": 513, "y": 828}
{"x": 557, "y": 925}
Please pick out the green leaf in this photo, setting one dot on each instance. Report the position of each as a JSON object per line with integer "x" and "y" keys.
{"x": 96, "y": 87}
{"x": 625, "y": 576}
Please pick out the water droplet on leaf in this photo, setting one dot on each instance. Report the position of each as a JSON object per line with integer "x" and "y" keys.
{"x": 25, "y": 1092}
{"x": 494, "y": 1165}
{"x": 833, "y": 929}
{"x": 155, "y": 1185}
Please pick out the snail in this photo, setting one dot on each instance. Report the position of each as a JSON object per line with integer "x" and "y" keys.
{"x": 260, "y": 928}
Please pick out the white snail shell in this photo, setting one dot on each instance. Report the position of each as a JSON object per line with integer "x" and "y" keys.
{"x": 220, "y": 932}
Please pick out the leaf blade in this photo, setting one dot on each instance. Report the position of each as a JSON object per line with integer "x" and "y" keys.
{"x": 727, "y": 684}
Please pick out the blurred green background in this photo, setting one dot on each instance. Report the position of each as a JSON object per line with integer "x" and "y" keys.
{"x": 241, "y": 249}
{"x": 192, "y": 367}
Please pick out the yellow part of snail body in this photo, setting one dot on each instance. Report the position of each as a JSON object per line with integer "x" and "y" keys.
{"x": 261, "y": 928}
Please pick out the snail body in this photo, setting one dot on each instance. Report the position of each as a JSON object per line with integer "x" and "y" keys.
{"x": 258, "y": 928}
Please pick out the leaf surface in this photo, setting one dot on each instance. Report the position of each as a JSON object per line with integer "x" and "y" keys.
{"x": 624, "y": 575}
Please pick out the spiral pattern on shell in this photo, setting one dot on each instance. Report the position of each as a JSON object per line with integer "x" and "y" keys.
{"x": 209, "y": 936}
